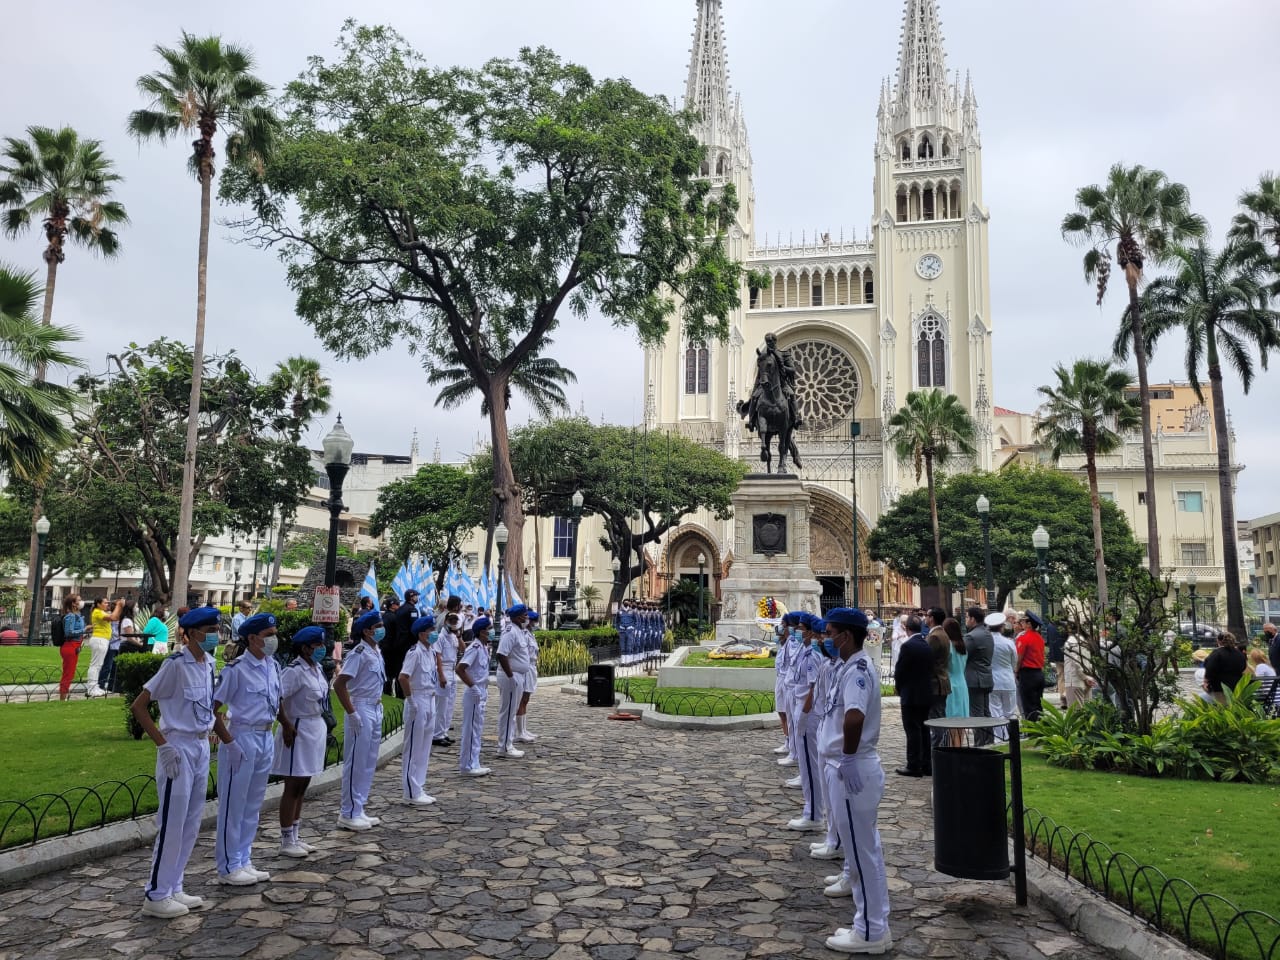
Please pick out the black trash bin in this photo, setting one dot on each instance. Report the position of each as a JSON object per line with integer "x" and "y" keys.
{"x": 970, "y": 838}
{"x": 600, "y": 685}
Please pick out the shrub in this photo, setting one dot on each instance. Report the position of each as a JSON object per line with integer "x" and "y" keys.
{"x": 561, "y": 657}
{"x": 133, "y": 670}
{"x": 591, "y": 637}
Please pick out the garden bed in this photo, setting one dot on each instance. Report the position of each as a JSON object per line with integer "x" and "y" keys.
{"x": 695, "y": 701}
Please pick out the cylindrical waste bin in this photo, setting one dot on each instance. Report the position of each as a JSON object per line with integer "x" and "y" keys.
{"x": 970, "y": 838}
{"x": 600, "y": 685}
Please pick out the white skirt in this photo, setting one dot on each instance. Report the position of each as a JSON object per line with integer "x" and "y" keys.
{"x": 306, "y": 757}
{"x": 530, "y": 684}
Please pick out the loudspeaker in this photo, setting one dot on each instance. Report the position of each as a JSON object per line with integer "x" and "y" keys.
{"x": 600, "y": 685}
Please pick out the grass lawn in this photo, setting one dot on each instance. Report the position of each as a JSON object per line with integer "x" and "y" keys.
{"x": 700, "y": 658}
{"x": 696, "y": 701}
{"x": 55, "y": 747}
{"x": 22, "y": 664}
{"x": 1219, "y": 837}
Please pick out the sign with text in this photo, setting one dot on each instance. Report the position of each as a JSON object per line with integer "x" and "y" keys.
{"x": 326, "y": 604}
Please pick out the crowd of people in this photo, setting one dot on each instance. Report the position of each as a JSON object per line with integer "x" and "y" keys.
{"x": 270, "y": 719}
{"x": 107, "y": 628}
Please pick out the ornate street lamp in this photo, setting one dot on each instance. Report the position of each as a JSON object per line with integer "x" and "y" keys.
{"x": 575, "y": 518}
{"x": 961, "y": 573}
{"x": 855, "y": 431}
{"x": 1191, "y": 589}
{"x": 337, "y": 447}
{"x": 984, "y": 514}
{"x": 500, "y": 536}
{"x": 702, "y": 591}
{"x": 42, "y": 532}
{"x": 1040, "y": 540}
{"x": 879, "y": 601}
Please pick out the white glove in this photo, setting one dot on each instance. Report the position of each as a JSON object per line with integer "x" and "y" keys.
{"x": 849, "y": 775}
{"x": 233, "y": 753}
{"x": 170, "y": 760}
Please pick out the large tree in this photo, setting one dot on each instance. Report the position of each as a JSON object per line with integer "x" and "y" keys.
{"x": 1087, "y": 412}
{"x": 1021, "y": 499}
{"x": 539, "y": 379}
{"x": 1259, "y": 222}
{"x": 462, "y": 209}
{"x": 205, "y": 86}
{"x": 929, "y": 429}
{"x": 431, "y": 513}
{"x": 133, "y": 423}
{"x": 1218, "y": 301}
{"x": 1141, "y": 212}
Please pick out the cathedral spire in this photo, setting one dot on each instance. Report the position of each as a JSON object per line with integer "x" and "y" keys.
{"x": 922, "y": 65}
{"x": 707, "y": 91}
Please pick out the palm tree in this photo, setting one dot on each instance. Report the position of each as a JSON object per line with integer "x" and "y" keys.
{"x": 1088, "y": 412}
{"x": 32, "y": 411}
{"x": 1219, "y": 302}
{"x": 929, "y": 429}
{"x": 1259, "y": 222}
{"x": 204, "y": 84}
{"x": 539, "y": 379}
{"x": 1141, "y": 212}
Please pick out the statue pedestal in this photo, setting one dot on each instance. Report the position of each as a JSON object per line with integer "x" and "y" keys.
{"x": 770, "y": 553}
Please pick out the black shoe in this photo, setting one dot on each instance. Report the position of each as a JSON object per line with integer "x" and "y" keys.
{"x": 908, "y": 772}
{"x": 441, "y": 742}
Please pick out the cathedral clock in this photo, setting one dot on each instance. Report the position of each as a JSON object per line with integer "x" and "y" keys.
{"x": 929, "y": 266}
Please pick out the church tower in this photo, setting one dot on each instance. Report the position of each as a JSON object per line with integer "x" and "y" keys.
{"x": 931, "y": 233}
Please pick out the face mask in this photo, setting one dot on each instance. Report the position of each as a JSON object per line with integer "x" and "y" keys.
{"x": 432, "y": 637}
{"x": 271, "y": 644}
{"x": 209, "y": 642}
{"x": 317, "y": 655}
{"x": 829, "y": 647}
{"x": 379, "y": 633}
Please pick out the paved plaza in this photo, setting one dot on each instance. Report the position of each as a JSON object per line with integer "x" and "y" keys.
{"x": 610, "y": 841}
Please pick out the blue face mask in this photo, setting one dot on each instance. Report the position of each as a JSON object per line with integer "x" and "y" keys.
{"x": 317, "y": 655}
{"x": 432, "y": 637}
{"x": 379, "y": 633}
{"x": 209, "y": 642}
{"x": 829, "y": 647}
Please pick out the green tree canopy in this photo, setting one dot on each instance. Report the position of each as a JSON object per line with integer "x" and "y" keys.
{"x": 430, "y": 513}
{"x": 83, "y": 540}
{"x": 450, "y": 211}
{"x": 1021, "y": 499}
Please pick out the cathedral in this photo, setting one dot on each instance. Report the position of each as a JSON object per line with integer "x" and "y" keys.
{"x": 865, "y": 322}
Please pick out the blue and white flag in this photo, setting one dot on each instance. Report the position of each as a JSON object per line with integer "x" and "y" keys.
{"x": 402, "y": 583}
{"x": 466, "y": 588}
{"x": 427, "y": 586}
{"x": 512, "y": 597}
{"x": 370, "y": 587}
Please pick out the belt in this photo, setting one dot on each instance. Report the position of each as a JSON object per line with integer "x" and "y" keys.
{"x": 257, "y": 727}
{"x": 185, "y": 735}
{"x": 368, "y": 702}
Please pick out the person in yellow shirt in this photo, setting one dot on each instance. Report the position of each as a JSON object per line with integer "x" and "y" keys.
{"x": 100, "y": 620}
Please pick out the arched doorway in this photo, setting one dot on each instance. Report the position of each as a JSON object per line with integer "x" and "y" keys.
{"x": 830, "y": 550}
{"x": 680, "y": 560}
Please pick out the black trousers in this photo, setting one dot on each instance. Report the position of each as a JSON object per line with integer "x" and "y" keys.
{"x": 980, "y": 706}
{"x": 919, "y": 757}
{"x": 1030, "y": 692}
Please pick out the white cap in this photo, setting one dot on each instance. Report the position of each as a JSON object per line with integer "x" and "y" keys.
{"x": 995, "y": 619}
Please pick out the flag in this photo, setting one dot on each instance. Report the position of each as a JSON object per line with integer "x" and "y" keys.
{"x": 513, "y": 597}
{"x": 466, "y": 587}
{"x": 370, "y": 587}
{"x": 403, "y": 582}
{"x": 427, "y": 586}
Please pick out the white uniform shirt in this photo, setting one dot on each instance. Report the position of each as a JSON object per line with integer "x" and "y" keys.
{"x": 831, "y": 714}
{"x": 420, "y": 668}
{"x": 448, "y": 647}
{"x": 781, "y": 663}
{"x": 251, "y": 689}
{"x": 183, "y": 688}
{"x": 531, "y": 649}
{"x": 366, "y": 671}
{"x": 860, "y": 690}
{"x": 514, "y": 647}
{"x": 476, "y": 658}
{"x": 303, "y": 689}
{"x": 798, "y": 673}
{"x": 1003, "y": 656}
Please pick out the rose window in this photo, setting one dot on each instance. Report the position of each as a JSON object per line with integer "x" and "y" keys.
{"x": 826, "y": 383}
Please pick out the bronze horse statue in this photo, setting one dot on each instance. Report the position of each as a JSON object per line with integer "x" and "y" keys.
{"x": 769, "y": 414}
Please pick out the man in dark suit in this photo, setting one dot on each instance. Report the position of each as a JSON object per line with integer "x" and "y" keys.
{"x": 913, "y": 678}
{"x": 980, "y": 645}
{"x": 940, "y": 648}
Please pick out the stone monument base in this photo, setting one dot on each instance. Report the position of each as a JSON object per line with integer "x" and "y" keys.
{"x": 770, "y": 554}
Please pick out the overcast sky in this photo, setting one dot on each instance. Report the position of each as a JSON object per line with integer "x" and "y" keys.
{"x": 1064, "y": 91}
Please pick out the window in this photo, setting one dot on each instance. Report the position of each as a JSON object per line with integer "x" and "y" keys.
{"x": 1107, "y": 495}
{"x": 868, "y": 290}
{"x": 697, "y": 363}
{"x": 931, "y": 353}
{"x": 925, "y": 150}
{"x": 1271, "y": 585}
{"x": 562, "y": 538}
{"x": 1190, "y": 501}
{"x": 1266, "y": 534}
{"x": 817, "y": 295}
{"x": 1271, "y": 558}
{"x": 1142, "y": 498}
{"x": 1195, "y": 554}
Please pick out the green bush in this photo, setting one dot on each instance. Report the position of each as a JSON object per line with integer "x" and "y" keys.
{"x": 561, "y": 657}
{"x": 133, "y": 670}
{"x": 591, "y": 637}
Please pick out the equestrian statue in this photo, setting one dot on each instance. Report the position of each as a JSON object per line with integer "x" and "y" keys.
{"x": 770, "y": 411}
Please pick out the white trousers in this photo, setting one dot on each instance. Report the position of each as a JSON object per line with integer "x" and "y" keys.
{"x": 178, "y": 818}
{"x": 1003, "y": 704}
{"x": 510, "y": 690}
{"x": 240, "y": 794}
{"x": 419, "y": 727}
{"x": 856, "y": 822}
{"x": 809, "y": 764}
{"x": 473, "y": 703}
{"x": 361, "y": 734}
{"x": 98, "y": 647}
{"x": 831, "y": 790}
{"x": 445, "y": 700}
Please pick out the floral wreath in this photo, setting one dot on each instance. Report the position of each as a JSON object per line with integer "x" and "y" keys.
{"x": 769, "y": 611}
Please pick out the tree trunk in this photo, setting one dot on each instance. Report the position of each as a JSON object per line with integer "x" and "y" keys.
{"x": 933, "y": 517}
{"x": 537, "y": 557}
{"x": 504, "y": 482}
{"x": 275, "y": 561}
{"x": 52, "y": 257}
{"x": 186, "y": 506}
{"x": 1144, "y": 400}
{"x": 1230, "y": 555}
{"x": 1095, "y": 508}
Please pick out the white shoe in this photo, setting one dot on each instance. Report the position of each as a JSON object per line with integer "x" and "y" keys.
{"x": 293, "y": 850}
{"x": 805, "y": 824}
{"x": 476, "y": 772}
{"x": 166, "y": 909}
{"x": 237, "y": 878}
{"x": 787, "y": 761}
{"x": 306, "y": 846}
{"x": 373, "y": 821}
{"x": 841, "y": 888}
{"x": 823, "y": 852}
{"x": 190, "y": 901}
{"x": 255, "y": 873}
{"x": 511, "y": 753}
{"x": 527, "y": 737}
{"x": 848, "y": 941}
{"x": 782, "y": 751}
{"x": 793, "y": 783}
{"x": 354, "y": 823}
{"x": 828, "y": 881}
{"x": 421, "y": 800}
{"x": 98, "y": 693}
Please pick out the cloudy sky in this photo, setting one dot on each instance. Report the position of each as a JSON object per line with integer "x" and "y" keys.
{"x": 1064, "y": 91}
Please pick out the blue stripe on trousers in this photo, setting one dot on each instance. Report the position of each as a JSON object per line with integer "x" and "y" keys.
{"x": 808, "y": 773}
{"x": 857, "y": 862}
{"x": 164, "y": 824}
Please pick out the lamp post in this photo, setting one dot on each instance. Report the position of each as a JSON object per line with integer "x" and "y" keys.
{"x": 961, "y": 573}
{"x": 615, "y": 565}
{"x": 337, "y": 447}
{"x": 702, "y": 591}
{"x": 42, "y": 531}
{"x": 855, "y": 431}
{"x": 575, "y": 517}
{"x": 879, "y": 601}
{"x": 1040, "y": 540}
{"x": 1191, "y": 589}
{"x": 984, "y": 514}
{"x": 500, "y": 535}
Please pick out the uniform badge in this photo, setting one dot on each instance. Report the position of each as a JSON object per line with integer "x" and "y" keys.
{"x": 862, "y": 682}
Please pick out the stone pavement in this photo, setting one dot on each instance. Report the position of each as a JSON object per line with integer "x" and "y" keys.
{"x": 610, "y": 841}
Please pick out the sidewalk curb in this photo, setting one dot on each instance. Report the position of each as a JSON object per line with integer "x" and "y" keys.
{"x": 25, "y": 863}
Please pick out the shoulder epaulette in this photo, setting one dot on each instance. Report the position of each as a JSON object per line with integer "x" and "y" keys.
{"x": 175, "y": 656}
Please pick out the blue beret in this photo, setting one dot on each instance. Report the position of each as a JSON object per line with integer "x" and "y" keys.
{"x": 482, "y": 623}
{"x": 308, "y": 635}
{"x": 533, "y": 614}
{"x": 200, "y": 617}
{"x": 518, "y": 609}
{"x": 847, "y": 616}
{"x": 367, "y": 621}
{"x": 422, "y": 624}
{"x": 256, "y": 624}
{"x": 818, "y": 625}
{"x": 807, "y": 619}
{"x": 791, "y": 618}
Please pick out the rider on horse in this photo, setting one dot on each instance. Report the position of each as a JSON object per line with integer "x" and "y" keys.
{"x": 788, "y": 385}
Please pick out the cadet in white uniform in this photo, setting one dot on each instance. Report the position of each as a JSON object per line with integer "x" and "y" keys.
{"x": 183, "y": 688}
{"x": 301, "y": 736}
{"x": 805, "y": 721}
{"x": 250, "y": 688}
{"x": 523, "y": 734}
{"x": 828, "y": 676}
{"x": 359, "y": 689}
{"x": 473, "y": 670}
{"x": 513, "y": 652}
{"x": 858, "y": 786}
{"x": 420, "y": 680}
{"x": 450, "y": 646}
{"x": 781, "y": 662}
